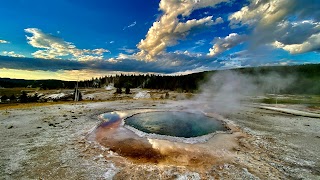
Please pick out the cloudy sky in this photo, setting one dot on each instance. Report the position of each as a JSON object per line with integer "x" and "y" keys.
{"x": 71, "y": 39}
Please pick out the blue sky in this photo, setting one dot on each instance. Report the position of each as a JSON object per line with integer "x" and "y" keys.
{"x": 71, "y": 39}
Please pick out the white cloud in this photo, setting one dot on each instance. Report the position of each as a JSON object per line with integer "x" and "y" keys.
{"x": 4, "y": 41}
{"x": 133, "y": 24}
{"x": 292, "y": 25}
{"x": 170, "y": 62}
{"x": 127, "y": 50}
{"x": 89, "y": 58}
{"x": 219, "y": 20}
{"x": 168, "y": 30}
{"x": 130, "y": 26}
{"x": 113, "y": 60}
{"x": 264, "y": 13}
{"x": 189, "y": 54}
{"x": 185, "y": 27}
{"x": 125, "y": 56}
{"x": 12, "y": 54}
{"x": 296, "y": 32}
{"x": 99, "y": 51}
{"x": 200, "y": 42}
{"x": 297, "y": 37}
{"x": 311, "y": 44}
{"x": 223, "y": 44}
{"x": 54, "y": 48}
{"x": 231, "y": 63}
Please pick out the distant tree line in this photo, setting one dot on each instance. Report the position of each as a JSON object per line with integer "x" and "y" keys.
{"x": 307, "y": 80}
{"x": 42, "y": 84}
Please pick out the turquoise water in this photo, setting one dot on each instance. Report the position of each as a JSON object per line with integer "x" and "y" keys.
{"x": 179, "y": 124}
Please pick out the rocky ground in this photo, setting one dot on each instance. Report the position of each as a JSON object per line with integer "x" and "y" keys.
{"x": 51, "y": 142}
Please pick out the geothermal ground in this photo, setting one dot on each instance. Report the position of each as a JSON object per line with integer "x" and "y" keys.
{"x": 54, "y": 141}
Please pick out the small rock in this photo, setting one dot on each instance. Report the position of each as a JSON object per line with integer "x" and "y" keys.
{"x": 52, "y": 125}
{"x": 10, "y": 127}
{"x": 39, "y": 127}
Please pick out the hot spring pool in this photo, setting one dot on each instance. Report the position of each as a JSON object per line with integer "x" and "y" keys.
{"x": 178, "y": 124}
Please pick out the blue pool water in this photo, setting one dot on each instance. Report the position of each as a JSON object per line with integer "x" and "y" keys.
{"x": 109, "y": 118}
{"x": 179, "y": 124}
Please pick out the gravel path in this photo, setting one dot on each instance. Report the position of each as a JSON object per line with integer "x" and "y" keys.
{"x": 292, "y": 111}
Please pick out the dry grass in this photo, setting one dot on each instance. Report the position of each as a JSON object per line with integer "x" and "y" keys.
{"x": 15, "y": 91}
{"x": 31, "y": 105}
{"x": 312, "y": 100}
